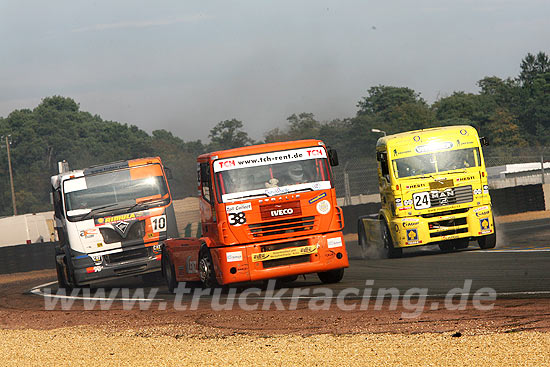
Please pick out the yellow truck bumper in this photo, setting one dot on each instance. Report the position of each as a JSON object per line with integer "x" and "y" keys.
{"x": 462, "y": 223}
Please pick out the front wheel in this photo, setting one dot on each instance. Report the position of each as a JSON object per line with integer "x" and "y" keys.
{"x": 207, "y": 274}
{"x": 331, "y": 276}
{"x": 62, "y": 282}
{"x": 486, "y": 242}
{"x": 391, "y": 252}
{"x": 168, "y": 272}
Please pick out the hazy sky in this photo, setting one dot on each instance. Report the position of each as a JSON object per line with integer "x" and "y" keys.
{"x": 186, "y": 65}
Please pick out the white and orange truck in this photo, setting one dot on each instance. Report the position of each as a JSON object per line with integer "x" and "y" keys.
{"x": 267, "y": 211}
{"x": 433, "y": 190}
{"x": 110, "y": 220}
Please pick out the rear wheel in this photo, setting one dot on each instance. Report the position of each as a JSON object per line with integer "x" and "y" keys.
{"x": 362, "y": 238}
{"x": 331, "y": 276}
{"x": 391, "y": 252}
{"x": 488, "y": 241}
{"x": 207, "y": 274}
{"x": 168, "y": 272}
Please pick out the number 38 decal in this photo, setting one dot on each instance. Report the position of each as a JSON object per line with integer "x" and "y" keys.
{"x": 236, "y": 219}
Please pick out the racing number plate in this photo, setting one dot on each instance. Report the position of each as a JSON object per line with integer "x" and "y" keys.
{"x": 421, "y": 200}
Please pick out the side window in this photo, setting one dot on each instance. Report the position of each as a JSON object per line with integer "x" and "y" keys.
{"x": 57, "y": 205}
{"x": 384, "y": 166}
{"x": 206, "y": 182}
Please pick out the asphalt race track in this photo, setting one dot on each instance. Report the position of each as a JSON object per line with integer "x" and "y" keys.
{"x": 517, "y": 268}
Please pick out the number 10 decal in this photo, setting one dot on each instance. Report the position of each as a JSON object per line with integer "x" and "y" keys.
{"x": 421, "y": 200}
{"x": 158, "y": 223}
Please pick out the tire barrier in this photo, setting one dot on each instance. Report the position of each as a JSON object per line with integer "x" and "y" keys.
{"x": 518, "y": 199}
{"x": 21, "y": 258}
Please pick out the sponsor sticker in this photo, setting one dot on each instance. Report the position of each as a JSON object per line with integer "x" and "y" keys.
{"x": 286, "y": 252}
{"x": 481, "y": 208}
{"x": 485, "y": 226}
{"x": 238, "y": 208}
{"x": 412, "y": 235}
{"x": 334, "y": 242}
{"x": 323, "y": 207}
{"x": 234, "y": 256}
{"x": 269, "y": 158}
{"x": 317, "y": 198}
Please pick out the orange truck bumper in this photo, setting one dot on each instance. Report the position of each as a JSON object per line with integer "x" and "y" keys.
{"x": 278, "y": 259}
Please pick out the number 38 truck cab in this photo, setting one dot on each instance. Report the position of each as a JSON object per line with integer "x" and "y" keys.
{"x": 110, "y": 219}
{"x": 267, "y": 211}
{"x": 434, "y": 190}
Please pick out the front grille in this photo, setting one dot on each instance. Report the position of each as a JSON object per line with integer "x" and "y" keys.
{"x": 441, "y": 224}
{"x": 449, "y": 232}
{"x": 286, "y": 261}
{"x": 127, "y": 255}
{"x": 448, "y": 212}
{"x": 450, "y": 196}
{"x": 280, "y": 246}
{"x": 281, "y": 226}
{"x": 135, "y": 232}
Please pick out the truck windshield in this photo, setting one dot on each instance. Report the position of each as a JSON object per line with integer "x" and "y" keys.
{"x": 263, "y": 175}
{"x": 114, "y": 190}
{"x": 429, "y": 163}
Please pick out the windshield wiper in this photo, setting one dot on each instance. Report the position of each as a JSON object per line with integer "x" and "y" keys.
{"x": 97, "y": 210}
{"x": 144, "y": 204}
{"x": 291, "y": 191}
{"x": 249, "y": 196}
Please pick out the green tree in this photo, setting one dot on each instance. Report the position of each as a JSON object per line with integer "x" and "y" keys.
{"x": 228, "y": 134}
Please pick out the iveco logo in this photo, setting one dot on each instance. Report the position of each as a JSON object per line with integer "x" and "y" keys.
{"x": 279, "y": 212}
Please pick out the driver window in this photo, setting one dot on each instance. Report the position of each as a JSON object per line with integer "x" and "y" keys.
{"x": 384, "y": 166}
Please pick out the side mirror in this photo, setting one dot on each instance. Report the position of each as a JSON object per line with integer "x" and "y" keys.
{"x": 205, "y": 172}
{"x": 484, "y": 141}
{"x": 332, "y": 156}
{"x": 378, "y": 156}
{"x": 168, "y": 173}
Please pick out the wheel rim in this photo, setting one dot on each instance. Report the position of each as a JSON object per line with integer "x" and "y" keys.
{"x": 205, "y": 269}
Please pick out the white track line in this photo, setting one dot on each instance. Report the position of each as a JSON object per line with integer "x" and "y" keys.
{"x": 37, "y": 291}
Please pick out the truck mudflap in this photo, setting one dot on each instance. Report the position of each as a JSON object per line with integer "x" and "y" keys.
{"x": 282, "y": 258}
{"x": 462, "y": 223}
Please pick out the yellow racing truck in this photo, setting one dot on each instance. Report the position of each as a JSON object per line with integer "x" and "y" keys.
{"x": 433, "y": 190}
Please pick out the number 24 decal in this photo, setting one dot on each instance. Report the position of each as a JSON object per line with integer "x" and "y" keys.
{"x": 236, "y": 219}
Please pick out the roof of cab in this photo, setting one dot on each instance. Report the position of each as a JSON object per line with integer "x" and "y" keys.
{"x": 262, "y": 148}
{"x": 432, "y": 133}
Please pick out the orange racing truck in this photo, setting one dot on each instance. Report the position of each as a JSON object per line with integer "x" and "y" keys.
{"x": 267, "y": 211}
{"x": 110, "y": 219}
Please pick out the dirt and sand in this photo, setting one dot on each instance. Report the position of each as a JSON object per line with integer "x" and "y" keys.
{"x": 514, "y": 332}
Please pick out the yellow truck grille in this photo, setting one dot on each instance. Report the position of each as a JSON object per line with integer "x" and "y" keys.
{"x": 450, "y": 196}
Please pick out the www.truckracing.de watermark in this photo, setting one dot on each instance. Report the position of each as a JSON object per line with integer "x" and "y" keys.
{"x": 413, "y": 301}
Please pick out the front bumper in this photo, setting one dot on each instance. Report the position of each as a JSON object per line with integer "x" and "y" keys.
{"x": 461, "y": 223}
{"x": 275, "y": 259}
{"x": 117, "y": 265}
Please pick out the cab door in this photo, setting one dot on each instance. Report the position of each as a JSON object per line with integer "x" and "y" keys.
{"x": 207, "y": 201}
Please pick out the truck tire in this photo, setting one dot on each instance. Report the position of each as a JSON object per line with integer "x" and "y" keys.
{"x": 331, "y": 276}
{"x": 62, "y": 282}
{"x": 207, "y": 274}
{"x": 391, "y": 252}
{"x": 168, "y": 272}
{"x": 486, "y": 242}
